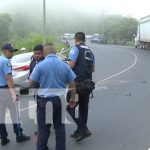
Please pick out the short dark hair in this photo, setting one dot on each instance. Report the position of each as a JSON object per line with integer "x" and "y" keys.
{"x": 38, "y": 47}
{"x": 80, "y": 36}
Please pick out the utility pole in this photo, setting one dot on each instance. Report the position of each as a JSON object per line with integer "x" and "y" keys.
{"x": 44, "y": 22}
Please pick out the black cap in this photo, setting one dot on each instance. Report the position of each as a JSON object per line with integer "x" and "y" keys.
{"x": 9, "y": 47}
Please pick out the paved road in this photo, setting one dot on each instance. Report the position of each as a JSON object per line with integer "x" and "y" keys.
{"x": 119, "y": 115}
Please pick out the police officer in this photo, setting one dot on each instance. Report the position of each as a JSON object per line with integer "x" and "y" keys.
{"x": 53, "y": 75}
{"x": 81, "y": 60}
{"x": 8, "y": 96}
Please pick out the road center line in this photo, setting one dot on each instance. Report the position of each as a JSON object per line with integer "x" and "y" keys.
{"x": 121, "y": 72}
{"x": 101, "y": 81}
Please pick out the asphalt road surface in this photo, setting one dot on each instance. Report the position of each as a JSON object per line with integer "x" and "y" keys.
{"x": 119, "y": 114}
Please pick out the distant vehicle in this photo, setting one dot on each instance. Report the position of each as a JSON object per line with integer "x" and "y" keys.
{"x": 21, "y": 67}
{"x": 142, "y": 40}
{"x": 71, "y": 36}
{"x": 96, "y": 35}
{"x": 100, "y": 39}
{"x": 66, "y": 37}
{"x": 64, "y": 40}
{"x": 88, "y": 37}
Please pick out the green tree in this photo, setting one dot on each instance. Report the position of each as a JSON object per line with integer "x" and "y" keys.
{"x": 5, "y": 22}
{"x": 117, "y": 28}
{"x": 24, "y": 24}
{"x": 127, "y": 28}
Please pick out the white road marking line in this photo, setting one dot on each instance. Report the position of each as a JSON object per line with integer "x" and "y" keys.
{"x": 101, "y": 81}
{"x": 121, "y": 72}
{"x": 23, "y": 109}
{"x": 32, "y": 106}
{"x": 100, "y": 88}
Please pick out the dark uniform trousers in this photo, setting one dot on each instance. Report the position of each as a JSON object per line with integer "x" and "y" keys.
{"x": 7, "y": 102}
{"x": 44, "y": 127}
{"x": 81, "y": 119}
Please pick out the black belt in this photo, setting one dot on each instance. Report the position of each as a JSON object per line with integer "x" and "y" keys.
{"x": 39, "y": 98}
{"x": 5, "y": 86}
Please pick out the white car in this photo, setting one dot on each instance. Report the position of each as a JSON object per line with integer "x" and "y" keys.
{"x": 21, "y": 67}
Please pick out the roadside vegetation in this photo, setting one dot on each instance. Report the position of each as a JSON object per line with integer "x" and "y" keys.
{"x": 25, "y": 29}
{"x": 33, "y": 39}
{"x": 19, "y": 40}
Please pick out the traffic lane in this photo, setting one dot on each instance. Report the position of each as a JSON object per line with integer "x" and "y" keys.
{"x": 119, "y": 118}
{"x": 119, "y": 114}
{"x": 141, "y": 69}
{"x": 29, "y": 123}
{"x": 124, "y": 108}
{"x": 109, "y": 131}
{"x": 110, "y": 60}
{"x": 122, "y": 114}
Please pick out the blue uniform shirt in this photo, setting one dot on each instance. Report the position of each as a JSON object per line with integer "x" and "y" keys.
{"x": 74, "y": 53}
{"x": 53, "y": 75}
{"x": 5, "y": 68}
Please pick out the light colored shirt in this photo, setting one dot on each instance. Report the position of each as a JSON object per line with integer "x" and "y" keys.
{"x": 53, "y": 75}
{"x": 5, "y": 68}
{"x": 74, "y": 53}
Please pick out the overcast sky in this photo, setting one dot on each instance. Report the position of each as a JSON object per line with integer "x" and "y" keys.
{"x": 134, "y": 8}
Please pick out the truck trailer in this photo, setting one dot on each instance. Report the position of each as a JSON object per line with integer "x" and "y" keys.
{"x": 142, "y": 40}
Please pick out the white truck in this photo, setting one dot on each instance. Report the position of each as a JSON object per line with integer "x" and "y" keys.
{"x": 142, "y": 40}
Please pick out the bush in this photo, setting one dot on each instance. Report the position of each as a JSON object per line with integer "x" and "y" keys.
{"x": 34, "y": 39}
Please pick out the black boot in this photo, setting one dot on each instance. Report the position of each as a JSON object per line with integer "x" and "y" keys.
{"x": 4, "y": 141}
{"x": 22, "y": 138}
{"x": 83, "y": 135}
{"x": 75, "y": 134}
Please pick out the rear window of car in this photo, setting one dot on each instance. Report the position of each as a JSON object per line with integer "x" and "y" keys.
{"x": 21, "y": 58}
